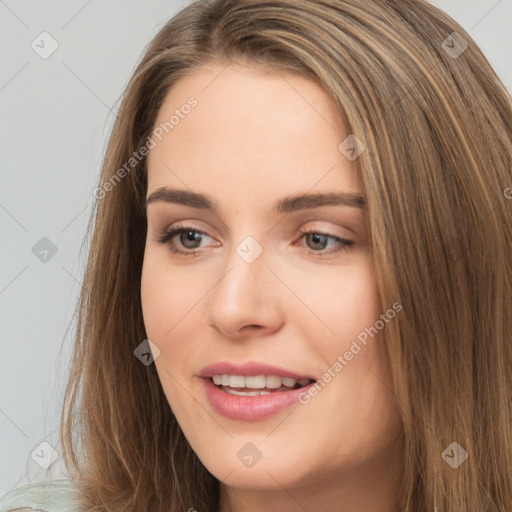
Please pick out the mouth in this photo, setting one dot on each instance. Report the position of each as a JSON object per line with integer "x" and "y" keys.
{"x": 248, "y": 398}
{"x": 257, "y": 385}
{"x": 253, "y": 390}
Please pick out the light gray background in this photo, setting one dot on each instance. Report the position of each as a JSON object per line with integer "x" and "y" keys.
{"x": 56, "y": 115}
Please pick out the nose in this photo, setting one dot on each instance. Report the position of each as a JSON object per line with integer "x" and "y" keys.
{"x": 245, "y": 301}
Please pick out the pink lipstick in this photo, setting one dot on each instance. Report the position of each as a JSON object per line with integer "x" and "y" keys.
{"x": 252, "y": 391}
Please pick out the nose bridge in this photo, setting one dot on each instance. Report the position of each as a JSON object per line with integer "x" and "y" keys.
{"x": 241, "y": 297}
{"x": 245, "y": 270}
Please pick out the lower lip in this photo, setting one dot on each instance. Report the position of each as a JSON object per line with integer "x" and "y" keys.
{"x": 250, "y": 408}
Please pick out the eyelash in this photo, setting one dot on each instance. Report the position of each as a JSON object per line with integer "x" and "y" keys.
{"x": 167, "y": 236}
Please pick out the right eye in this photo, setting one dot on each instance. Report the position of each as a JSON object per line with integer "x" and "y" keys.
{"x": 188, "y": 236}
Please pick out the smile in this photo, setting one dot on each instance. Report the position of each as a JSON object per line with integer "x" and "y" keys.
{"x": 256, "y": 385}
{"x": 239, "y": 401}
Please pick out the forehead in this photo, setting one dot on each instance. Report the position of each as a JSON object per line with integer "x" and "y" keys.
{"x": 253, "y": 134}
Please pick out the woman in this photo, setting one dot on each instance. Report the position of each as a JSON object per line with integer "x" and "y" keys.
{"x": 299, "y": 287}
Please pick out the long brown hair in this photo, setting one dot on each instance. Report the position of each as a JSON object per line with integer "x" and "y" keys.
{"x": 436, "y": 122}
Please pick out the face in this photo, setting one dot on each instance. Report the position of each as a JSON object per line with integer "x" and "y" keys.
{"x": 262, "y": 292}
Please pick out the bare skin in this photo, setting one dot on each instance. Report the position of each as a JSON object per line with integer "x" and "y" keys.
{"x": 251, "y": 140}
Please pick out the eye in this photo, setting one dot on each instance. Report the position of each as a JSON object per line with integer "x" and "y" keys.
{"x": 320, "y": 240}
{"x": 190, "y": 239}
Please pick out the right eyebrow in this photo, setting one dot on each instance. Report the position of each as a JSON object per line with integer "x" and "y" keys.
{"x": 183, "y": 197}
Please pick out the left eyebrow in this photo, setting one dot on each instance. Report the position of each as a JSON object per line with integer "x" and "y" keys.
{"x": 307, "y": 201}
{"x": 284, "y": 205}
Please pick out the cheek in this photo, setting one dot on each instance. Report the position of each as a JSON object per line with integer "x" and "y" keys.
{"x": 173, "y": 311}
{"x": 162, "y": 307}
{"x": 345, "y": 300}
{"x": 154, "y": 300}
{"x": 166, "y": 296}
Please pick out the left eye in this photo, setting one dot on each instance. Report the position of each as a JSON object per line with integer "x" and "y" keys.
{"x": 322, "y": 238}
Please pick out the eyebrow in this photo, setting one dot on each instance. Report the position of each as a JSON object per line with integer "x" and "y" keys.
{"x": 285, "y": 205}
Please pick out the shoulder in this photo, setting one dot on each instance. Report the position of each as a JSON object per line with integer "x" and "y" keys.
{"x": 51, "y": 496}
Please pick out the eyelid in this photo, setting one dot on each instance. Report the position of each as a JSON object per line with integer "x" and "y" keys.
{"x": 303, "y": 229}
{"x": 166, "y": 236}
{"x": 174, "y": 229}
{"x": 330, "y": 228}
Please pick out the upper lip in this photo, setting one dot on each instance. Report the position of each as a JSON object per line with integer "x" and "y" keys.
{"x": 249, "y": 369}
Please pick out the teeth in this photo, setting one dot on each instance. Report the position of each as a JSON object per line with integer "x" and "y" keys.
{"x": 273, "y": 382}
{"x": 289, "y": 383}
{"x": 235, "y": 381}
{"x": 247, "y": 393}
{"x": 257, "y": 382}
